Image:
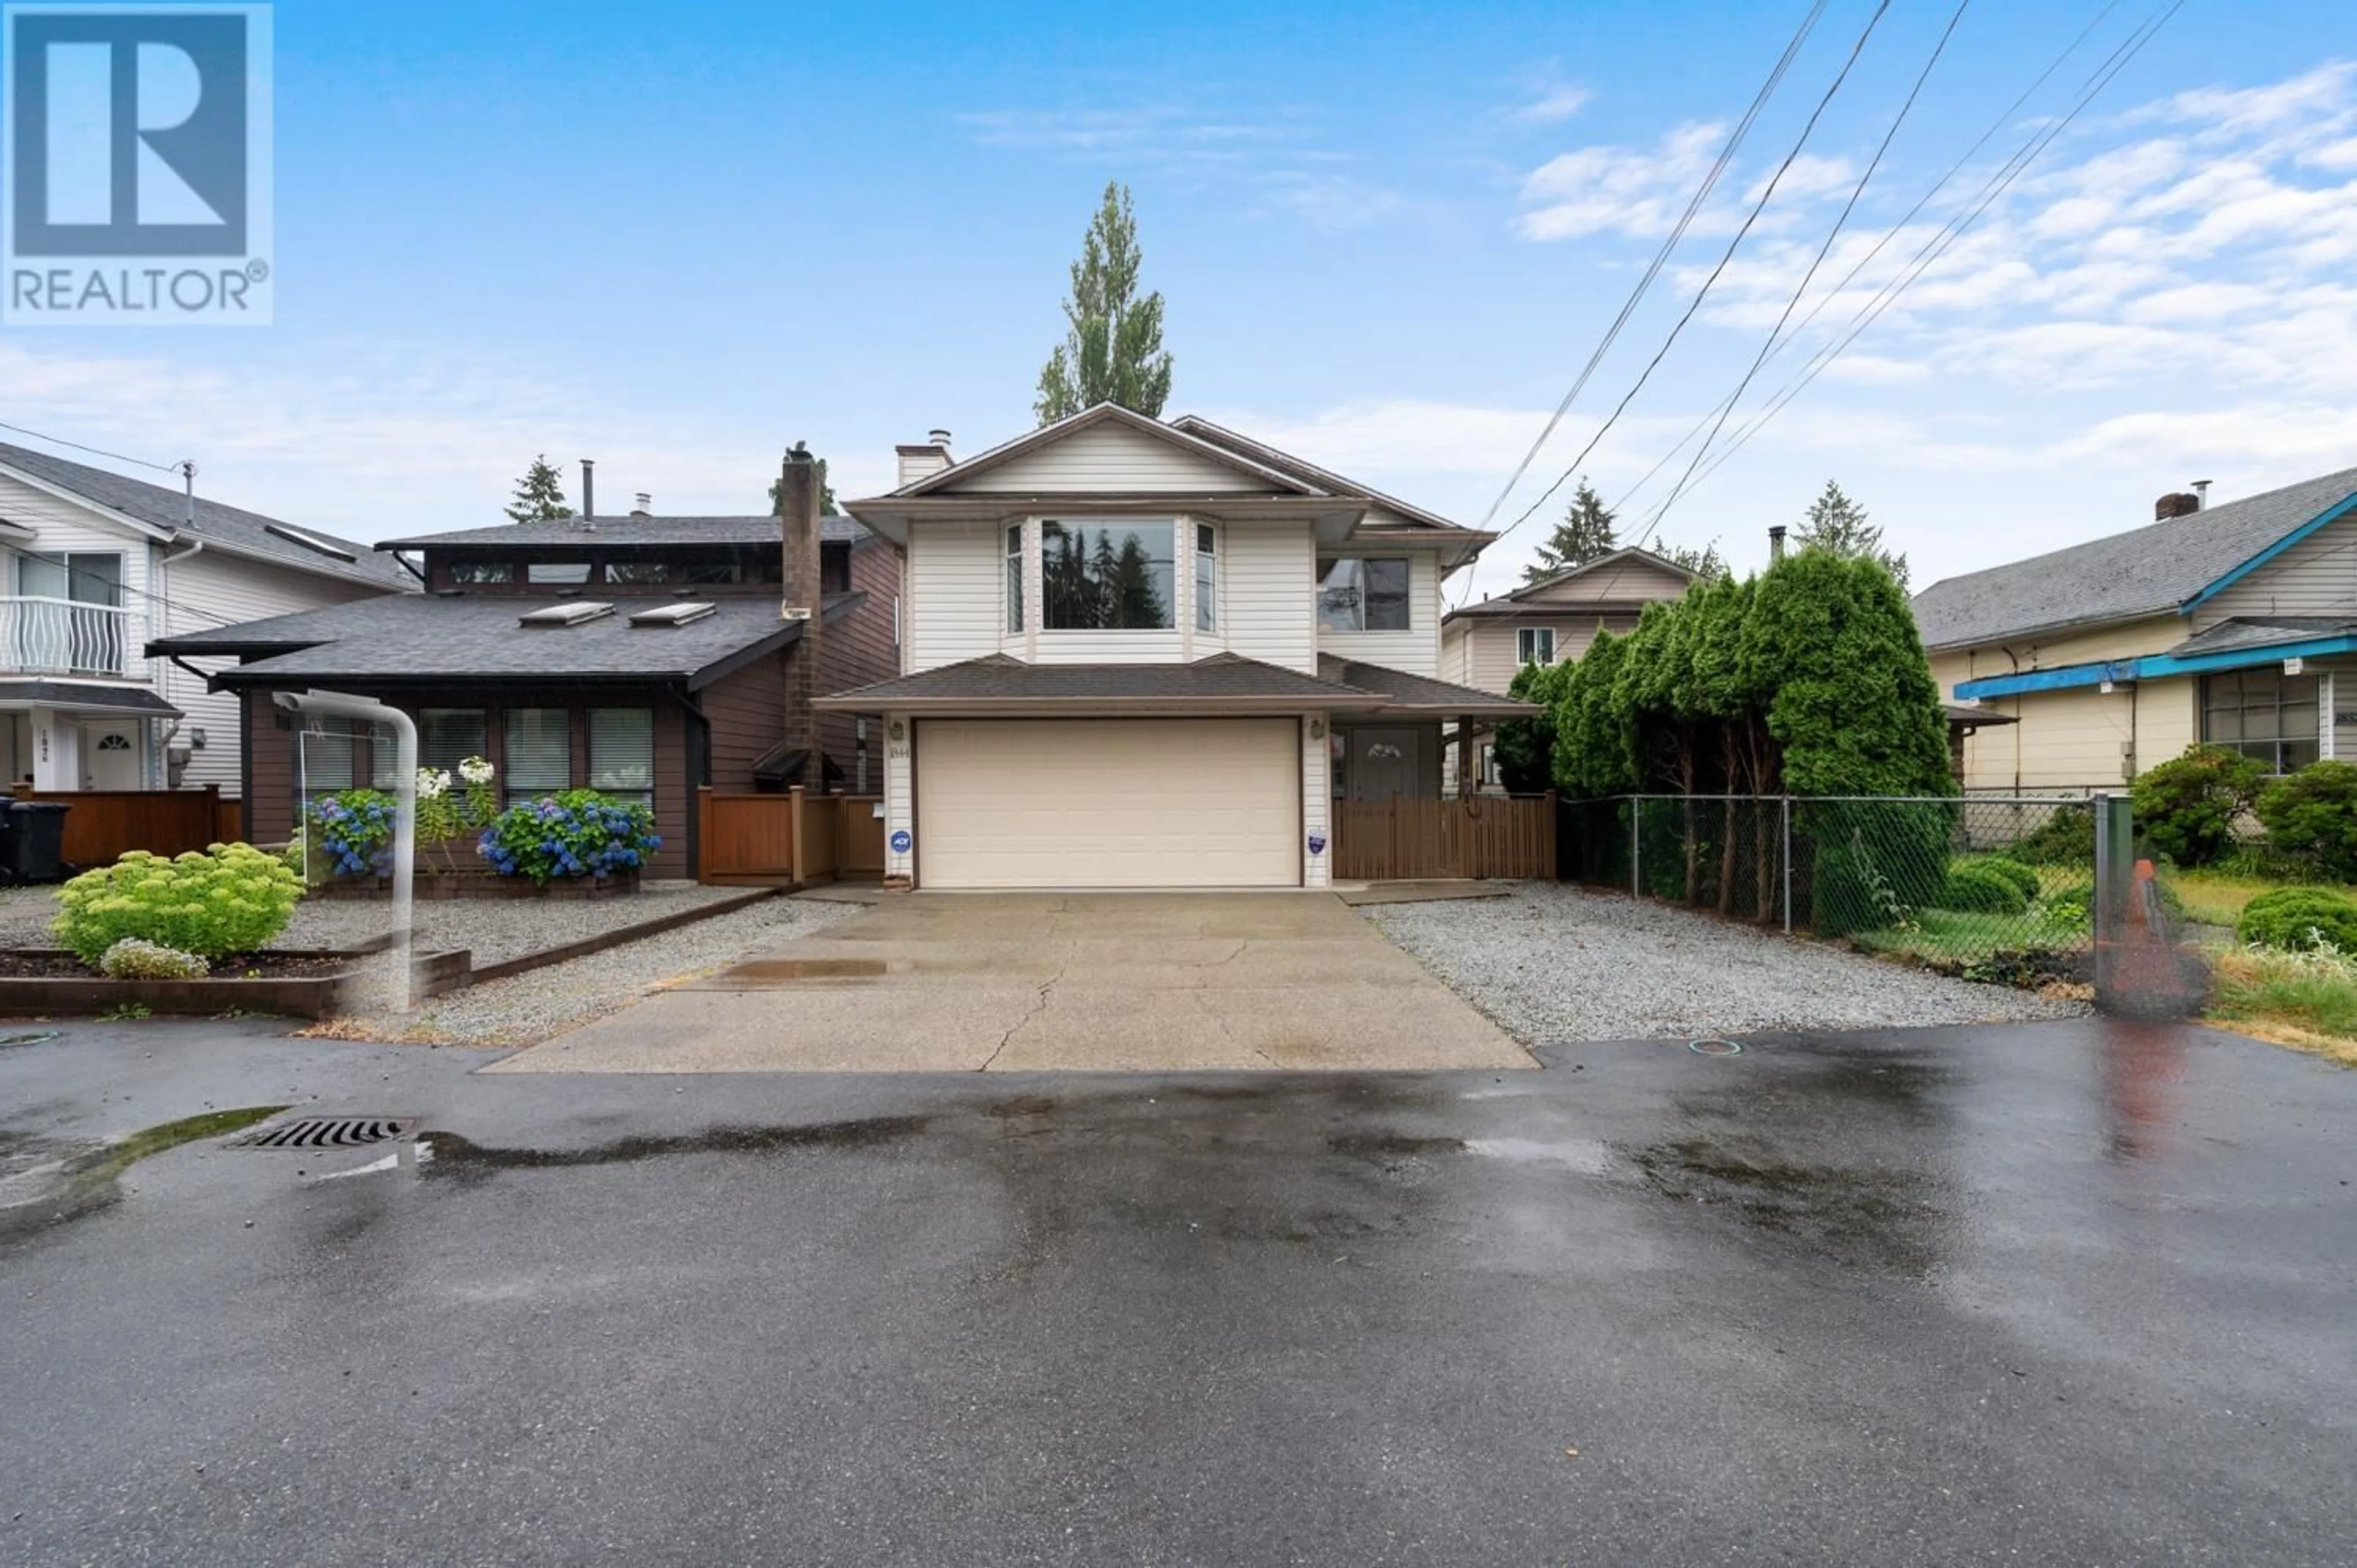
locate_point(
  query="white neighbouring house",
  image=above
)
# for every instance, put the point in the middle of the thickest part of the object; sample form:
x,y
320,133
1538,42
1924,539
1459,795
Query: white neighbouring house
x,y
99,565
1148,654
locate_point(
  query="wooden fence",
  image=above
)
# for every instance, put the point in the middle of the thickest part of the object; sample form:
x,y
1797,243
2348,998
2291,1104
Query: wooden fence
x,y
103,824
1405,841
786,840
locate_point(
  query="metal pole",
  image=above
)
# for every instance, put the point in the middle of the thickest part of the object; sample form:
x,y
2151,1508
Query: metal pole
x,y
1788,866
1636,821
404,814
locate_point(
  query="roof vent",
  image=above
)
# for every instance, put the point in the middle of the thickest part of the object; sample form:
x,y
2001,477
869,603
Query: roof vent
x,y
640,505
673,614
567,615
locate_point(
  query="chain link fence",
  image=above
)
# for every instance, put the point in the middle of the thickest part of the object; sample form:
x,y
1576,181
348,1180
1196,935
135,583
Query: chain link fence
x,y
1999,888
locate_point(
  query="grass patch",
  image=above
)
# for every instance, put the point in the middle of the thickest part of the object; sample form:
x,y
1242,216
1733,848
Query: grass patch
x,y
2216,898
1948,937
124,1152
2308,1000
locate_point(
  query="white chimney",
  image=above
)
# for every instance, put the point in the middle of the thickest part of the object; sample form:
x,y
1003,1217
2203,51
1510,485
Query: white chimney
x,y
930,456
641,505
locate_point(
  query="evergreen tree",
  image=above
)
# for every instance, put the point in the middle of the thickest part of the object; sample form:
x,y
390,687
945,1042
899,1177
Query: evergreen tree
x,y
1839,524
1585,535
1137,600
1524,750
826,506
539,495
1594,746
1111,350
1704,562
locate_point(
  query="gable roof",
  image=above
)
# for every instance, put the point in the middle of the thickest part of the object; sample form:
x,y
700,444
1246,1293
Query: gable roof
x,y
636,531
163,510
1285,462
1526,600
2160,569
960,474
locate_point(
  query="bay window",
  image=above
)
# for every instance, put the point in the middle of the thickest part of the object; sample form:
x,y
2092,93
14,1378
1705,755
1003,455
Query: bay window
x,y
1206,578
1015,576
1107,576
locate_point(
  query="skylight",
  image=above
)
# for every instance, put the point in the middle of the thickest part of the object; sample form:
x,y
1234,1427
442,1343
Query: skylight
x,y
309,541
673,614
565,614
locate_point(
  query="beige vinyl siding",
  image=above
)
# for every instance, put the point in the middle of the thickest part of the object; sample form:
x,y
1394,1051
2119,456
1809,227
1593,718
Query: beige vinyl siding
x,y
212,589
2317,576
2125,640
1457,653
1620,581
1495,646
1268,579
64,528
900,793
957,593
1415,650
1108,803
1111,458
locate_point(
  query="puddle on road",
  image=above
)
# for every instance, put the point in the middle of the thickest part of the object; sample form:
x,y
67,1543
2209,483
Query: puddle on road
x,y
458,1156
1877,1217
1588,1156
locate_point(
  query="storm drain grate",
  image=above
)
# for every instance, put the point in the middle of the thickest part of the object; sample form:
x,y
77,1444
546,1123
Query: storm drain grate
x,y
330,1133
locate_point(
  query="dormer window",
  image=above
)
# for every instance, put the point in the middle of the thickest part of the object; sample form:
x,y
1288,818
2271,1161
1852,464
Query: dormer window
x,y
1108,577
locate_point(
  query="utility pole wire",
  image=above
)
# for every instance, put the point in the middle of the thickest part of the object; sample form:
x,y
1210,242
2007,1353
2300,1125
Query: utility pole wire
x,y
1941,243
1888,234
94,451
1702,294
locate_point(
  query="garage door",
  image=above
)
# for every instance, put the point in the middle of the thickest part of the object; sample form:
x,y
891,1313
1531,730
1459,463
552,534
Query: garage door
x,y
1108,803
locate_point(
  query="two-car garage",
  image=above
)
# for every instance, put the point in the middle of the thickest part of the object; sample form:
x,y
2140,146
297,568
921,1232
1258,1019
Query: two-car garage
x,y
1177,803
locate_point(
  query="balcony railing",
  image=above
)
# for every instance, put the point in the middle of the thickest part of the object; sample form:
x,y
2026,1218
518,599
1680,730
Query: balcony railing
x,y
64,636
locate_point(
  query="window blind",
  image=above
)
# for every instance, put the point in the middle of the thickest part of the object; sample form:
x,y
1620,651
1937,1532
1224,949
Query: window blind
x,y
447,737
539,752
623,752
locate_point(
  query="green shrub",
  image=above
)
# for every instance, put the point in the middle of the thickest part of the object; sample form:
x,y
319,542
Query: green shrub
x,y
2012,871
2300,919
135,957
2312,815
573,833
2066,838
229,898
2186,806
1976,889
1871,863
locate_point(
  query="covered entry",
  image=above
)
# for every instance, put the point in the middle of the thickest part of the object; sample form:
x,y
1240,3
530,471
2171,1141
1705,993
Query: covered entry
x,y
1177,802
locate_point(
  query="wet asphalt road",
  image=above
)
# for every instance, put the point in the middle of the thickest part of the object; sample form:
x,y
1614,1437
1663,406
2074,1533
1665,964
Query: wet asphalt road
x,y
2069,1293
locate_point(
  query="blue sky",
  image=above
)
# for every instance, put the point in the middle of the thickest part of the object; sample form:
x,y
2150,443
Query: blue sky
x,y
678,239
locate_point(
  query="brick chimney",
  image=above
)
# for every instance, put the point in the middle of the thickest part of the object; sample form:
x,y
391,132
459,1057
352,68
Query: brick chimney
x,y
930,456
798,499
2177,503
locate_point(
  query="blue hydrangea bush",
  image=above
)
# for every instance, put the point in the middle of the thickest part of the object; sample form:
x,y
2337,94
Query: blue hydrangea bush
x,y
573,833
352,831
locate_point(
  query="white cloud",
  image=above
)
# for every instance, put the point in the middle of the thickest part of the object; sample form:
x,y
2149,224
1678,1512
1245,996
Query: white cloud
x,y
1623,189
1554,105
1810,175
1872,370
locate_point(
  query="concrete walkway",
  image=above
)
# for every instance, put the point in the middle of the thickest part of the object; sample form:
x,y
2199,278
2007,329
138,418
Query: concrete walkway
x,y
1023,982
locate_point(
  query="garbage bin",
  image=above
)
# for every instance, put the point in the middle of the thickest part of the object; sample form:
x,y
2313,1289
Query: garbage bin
x,y
7,842
38,839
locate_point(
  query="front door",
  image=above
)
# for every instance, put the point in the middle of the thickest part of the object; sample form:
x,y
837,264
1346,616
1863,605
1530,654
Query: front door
x,y
1383,764
109,756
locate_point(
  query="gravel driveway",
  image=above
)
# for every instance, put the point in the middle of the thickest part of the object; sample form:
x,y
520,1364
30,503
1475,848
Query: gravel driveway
x,y
1554,964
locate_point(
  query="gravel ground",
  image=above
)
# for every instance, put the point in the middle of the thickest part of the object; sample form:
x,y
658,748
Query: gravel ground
x,y
495,929
1552,964
532,1007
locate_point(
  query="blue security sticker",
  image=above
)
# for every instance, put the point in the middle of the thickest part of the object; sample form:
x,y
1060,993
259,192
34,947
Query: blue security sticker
x,y
901,840
1317,844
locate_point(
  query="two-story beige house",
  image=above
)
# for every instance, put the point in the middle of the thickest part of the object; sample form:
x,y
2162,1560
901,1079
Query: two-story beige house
x,y
1149,654
1485,645
2234,623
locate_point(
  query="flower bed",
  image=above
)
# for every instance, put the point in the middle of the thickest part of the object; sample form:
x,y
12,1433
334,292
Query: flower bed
x,y
575,843
47,982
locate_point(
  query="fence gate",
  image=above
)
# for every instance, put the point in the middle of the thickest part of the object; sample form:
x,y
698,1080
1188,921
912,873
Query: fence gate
x,y
1480,836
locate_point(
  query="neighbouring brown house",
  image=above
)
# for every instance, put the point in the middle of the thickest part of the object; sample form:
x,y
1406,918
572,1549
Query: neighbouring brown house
x,y
641,656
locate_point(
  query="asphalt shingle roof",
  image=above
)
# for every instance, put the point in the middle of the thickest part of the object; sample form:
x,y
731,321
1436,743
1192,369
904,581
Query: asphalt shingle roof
x,y
1402,689
2146,571
477,636
2268,631
996,678
628,530
159,506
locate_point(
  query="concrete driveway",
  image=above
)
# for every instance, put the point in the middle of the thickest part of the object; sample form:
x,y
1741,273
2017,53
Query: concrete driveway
x,y
1022,983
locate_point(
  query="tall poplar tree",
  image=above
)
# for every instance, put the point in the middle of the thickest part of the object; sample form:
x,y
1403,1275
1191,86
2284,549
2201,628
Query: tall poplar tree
x,y
1111,350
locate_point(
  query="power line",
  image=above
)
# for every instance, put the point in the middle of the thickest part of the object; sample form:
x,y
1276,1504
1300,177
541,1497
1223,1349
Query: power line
x,y
1766,194
1942,242
1832,234
2004,118
1660,256
97,451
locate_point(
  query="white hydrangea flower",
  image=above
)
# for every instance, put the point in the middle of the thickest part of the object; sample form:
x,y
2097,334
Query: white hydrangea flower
x,y
475,770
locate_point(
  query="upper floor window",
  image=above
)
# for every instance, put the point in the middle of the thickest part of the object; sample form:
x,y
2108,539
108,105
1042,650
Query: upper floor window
x,y
1015,576
1357,594
621,572
2264,713
481,571
1534,645
1107,576
89,579
835,569
557,572
1207,578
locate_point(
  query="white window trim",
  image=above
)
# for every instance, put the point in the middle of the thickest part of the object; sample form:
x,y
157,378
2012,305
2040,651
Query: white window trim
x,y
1035,546
1317,584
1526,644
